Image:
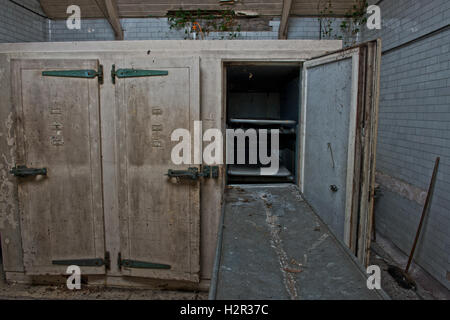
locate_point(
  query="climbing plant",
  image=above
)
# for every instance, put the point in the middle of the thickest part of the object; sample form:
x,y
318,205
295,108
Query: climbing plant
x,y
350,25
205,21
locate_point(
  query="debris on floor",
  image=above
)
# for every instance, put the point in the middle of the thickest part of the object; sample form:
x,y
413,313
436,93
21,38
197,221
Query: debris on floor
x,y
46,292
277,248
16,291
380,257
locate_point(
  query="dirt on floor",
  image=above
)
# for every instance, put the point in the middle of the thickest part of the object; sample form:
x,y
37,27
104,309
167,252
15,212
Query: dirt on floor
x,y
60,292
49,292
380,257
46,292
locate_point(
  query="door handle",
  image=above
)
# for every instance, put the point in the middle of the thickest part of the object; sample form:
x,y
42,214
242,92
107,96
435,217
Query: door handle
x,y
194,174
23,171
191,173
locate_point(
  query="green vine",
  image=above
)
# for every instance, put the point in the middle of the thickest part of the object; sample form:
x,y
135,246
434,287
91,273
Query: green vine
x,y
205,21
350,25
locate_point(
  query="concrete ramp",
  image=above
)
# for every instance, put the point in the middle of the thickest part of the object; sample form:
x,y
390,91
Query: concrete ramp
x,y
273,246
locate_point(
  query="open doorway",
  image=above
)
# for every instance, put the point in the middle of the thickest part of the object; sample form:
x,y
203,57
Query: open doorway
x,y
264,96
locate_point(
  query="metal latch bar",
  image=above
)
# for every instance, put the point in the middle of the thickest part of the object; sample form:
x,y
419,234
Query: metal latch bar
x,y
23,171
191,173
85,73
194,174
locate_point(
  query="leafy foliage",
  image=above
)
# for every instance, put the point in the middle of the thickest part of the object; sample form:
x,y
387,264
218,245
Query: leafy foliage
x,y
350,25
205,21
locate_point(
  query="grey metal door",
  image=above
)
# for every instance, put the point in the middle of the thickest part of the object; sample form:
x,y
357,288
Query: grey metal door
x,y
338,138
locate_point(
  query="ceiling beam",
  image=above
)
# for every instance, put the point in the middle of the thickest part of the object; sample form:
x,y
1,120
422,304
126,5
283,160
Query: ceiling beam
x,y
113,17
282,32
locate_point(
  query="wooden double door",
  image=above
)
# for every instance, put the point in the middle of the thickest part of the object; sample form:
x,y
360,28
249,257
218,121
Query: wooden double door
x,y
59,167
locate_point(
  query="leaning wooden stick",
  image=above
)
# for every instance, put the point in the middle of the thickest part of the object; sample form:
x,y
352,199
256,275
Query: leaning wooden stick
x,y
424,211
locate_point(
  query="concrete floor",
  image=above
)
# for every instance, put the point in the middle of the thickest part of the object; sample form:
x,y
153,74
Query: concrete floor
x,y
275,247
279,267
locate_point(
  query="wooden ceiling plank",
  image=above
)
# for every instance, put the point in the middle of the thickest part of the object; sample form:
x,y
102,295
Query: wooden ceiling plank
x,y
113,18
58,9
282,32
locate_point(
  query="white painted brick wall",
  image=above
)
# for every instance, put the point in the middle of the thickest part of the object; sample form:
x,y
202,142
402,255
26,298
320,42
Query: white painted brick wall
x,y
91,30
158,29
414,125
309,28
141,29
20,25
405,20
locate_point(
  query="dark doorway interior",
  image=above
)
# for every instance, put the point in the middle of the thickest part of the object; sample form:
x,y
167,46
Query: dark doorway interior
x,y
264,96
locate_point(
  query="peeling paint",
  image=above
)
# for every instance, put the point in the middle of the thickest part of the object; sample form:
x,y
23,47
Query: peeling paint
x,y
7,200
402,188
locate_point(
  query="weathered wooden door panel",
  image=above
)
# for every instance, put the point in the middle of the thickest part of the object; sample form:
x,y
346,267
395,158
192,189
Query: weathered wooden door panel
x,y
159,217
58,129
338,119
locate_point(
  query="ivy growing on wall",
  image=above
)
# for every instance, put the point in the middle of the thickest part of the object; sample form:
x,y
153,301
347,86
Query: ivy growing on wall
x,y
203,22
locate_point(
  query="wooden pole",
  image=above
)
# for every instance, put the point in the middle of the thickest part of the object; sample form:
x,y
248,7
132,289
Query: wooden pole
x,y
424,211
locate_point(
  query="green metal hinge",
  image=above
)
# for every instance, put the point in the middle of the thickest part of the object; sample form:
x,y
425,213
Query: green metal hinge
x,y
88,73
133,73
140,264
96,262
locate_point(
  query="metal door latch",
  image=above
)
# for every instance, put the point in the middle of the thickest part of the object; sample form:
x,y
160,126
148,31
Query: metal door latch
x,y
194,174
23,171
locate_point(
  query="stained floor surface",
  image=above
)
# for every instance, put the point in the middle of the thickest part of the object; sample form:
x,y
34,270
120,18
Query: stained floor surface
x,y
275,247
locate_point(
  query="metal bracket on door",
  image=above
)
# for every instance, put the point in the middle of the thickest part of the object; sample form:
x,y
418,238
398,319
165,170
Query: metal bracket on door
x,y
23,171
194,174
95,262
87,73
133,73
127,263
